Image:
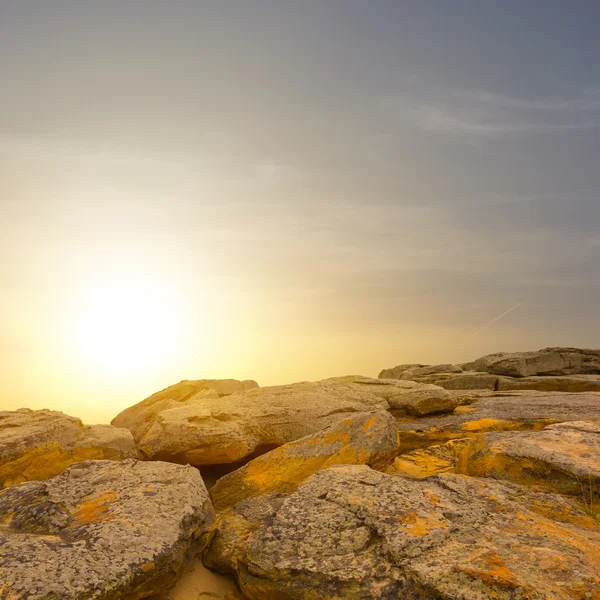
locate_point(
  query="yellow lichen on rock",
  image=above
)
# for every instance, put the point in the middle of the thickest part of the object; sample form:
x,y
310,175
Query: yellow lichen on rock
x,y
364,439
564,458
43,462
37,445
419,464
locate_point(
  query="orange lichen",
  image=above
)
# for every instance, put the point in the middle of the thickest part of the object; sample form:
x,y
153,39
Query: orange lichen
x,y
417,525
96,509
43,462
492,570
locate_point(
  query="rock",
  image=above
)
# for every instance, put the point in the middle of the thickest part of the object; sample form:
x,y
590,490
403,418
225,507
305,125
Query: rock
x,y
102,529
470,381
549,383
350,532
202,429
423,373
140,417
549,361
367,438
507,411
410,397
433,460
38,444
564,458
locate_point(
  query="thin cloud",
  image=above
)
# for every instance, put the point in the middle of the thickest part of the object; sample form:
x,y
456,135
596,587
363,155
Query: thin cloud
x,y
506,312
588,101
480,113
436,120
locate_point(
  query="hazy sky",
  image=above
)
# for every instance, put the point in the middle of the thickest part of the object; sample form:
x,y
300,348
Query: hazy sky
x,y
288,190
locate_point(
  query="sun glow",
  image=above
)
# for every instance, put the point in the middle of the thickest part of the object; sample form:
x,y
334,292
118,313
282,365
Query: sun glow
x,y
127,326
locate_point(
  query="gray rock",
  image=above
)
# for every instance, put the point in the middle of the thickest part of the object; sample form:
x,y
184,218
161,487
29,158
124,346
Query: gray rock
x,y
38,444
353,533
549,361
423,373
564,458
102,530
202,429
499,411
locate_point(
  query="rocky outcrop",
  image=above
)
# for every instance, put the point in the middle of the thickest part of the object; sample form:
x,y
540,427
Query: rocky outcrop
x,y
38,444
549,361
429,461
350,532
507,411
423,373
203,429
470,380
369,438
140,417
564,458
102,530
549,370
549,383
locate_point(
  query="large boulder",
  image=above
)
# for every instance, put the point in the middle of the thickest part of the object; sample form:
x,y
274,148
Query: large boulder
x,y
506,411
480,380
203,429
367,438
102,530
564,458
422,373
550,383
38,444
350,532
140,417
470,380
549,361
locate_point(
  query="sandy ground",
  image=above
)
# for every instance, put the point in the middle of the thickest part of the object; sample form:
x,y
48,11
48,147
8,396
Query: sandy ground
x,y
201,584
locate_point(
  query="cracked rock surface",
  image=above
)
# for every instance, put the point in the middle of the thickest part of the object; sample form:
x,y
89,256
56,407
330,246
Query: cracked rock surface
x,y
102,530
38,444
203,429
350,532
367,438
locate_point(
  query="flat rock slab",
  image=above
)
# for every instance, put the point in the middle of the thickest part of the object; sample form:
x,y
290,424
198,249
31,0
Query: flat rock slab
x,y
368,439
38,444
350,532
564,458
549,361
204,430
140,417
102,530
508,411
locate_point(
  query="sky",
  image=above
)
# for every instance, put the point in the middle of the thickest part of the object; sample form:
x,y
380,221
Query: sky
x,y
287,191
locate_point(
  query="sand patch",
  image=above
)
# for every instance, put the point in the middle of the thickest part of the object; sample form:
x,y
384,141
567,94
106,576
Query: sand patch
x,y
198,583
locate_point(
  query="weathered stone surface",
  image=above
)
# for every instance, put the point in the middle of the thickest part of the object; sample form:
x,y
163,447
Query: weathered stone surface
x,y
423,373
102,530
203,429
140,417
367,438
508,411
351,533
477,380
549,361
470,381
564,458
549,383
38,444
410,397
433,460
